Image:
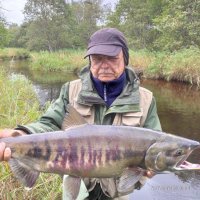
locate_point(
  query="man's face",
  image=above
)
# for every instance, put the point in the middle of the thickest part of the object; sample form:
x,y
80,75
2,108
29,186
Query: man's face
x,y
107,68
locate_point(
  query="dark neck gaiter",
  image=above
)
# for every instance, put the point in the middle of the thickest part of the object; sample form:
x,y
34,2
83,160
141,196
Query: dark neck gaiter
x,y
109,91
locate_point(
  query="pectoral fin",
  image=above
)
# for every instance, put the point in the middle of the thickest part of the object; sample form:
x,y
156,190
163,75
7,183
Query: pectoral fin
x,y
128,179
24,173
74,188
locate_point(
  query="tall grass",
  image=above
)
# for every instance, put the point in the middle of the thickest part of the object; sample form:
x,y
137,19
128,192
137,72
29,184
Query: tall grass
x,y
68,60
183,66
18,102
141,59
14,53
19,105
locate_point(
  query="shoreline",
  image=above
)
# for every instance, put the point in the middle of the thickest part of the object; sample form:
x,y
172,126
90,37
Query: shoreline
x,y
181,66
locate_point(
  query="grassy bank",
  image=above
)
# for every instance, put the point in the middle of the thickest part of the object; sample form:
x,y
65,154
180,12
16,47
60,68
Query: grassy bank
x,y
14,53
68,60
19,105
181,66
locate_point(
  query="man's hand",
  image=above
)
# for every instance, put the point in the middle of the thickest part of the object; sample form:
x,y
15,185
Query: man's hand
x,y
5,152
149,174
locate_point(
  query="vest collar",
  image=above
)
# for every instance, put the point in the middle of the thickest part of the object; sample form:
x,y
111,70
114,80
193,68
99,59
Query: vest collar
x,y
128,96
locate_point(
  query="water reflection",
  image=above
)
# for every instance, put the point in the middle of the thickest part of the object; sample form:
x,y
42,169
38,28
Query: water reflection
x,y
178,107
167,187
46,93
46,84
179,112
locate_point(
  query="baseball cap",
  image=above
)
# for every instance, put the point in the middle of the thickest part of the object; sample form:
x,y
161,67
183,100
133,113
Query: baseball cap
x,y
109,42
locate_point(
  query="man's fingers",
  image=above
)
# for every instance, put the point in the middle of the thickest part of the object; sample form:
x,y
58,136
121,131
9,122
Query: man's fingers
x,y
150,174
2,148
7,154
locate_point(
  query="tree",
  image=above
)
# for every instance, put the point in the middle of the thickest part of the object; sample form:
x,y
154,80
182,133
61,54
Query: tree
x,y
87,15
179,25
17,35
134,18
158,24
47,19
4,39
53,24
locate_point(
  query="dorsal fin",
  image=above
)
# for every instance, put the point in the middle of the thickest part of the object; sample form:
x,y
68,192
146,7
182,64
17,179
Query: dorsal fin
x,y
72,118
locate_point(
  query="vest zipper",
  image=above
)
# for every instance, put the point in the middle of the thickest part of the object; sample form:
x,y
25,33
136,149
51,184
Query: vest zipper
x,y
105,93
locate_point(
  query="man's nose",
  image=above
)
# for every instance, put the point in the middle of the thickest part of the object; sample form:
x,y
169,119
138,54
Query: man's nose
x,y
104,63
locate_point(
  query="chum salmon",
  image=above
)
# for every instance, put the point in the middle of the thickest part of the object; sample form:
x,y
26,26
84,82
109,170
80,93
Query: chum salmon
x,y
97,151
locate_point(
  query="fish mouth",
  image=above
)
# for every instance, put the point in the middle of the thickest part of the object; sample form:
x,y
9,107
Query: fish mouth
x,y
183,164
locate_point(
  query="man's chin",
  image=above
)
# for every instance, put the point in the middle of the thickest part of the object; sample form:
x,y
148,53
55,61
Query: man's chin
x,y
106,79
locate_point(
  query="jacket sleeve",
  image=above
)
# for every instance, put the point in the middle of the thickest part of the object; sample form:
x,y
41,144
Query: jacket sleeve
x,y
152,121
53,118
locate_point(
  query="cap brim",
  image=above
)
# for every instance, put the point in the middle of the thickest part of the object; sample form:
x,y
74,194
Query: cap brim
x,y
107,50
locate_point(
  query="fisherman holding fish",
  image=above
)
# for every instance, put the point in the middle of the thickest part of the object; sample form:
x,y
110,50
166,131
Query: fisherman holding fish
x,y
107,93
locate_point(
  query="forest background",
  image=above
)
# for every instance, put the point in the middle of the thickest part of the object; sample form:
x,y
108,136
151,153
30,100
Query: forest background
x,y
155,25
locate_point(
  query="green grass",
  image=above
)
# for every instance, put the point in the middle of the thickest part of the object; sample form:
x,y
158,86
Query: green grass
x,y
141,59
14,53
18,102
182,66
19,105
68,60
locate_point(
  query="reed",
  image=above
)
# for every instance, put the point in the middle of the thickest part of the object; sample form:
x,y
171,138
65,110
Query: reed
x,y
141,59
19,105
68,60
14,54
182,66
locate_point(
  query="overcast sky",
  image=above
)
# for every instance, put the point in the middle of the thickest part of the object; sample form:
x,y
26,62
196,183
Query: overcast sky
x,y
14,8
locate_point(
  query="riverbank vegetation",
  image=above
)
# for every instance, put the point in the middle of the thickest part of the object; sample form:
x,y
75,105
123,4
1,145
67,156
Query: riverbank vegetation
x,y
182,65
18,102
66,60
153,25
19,105
164,35
14,54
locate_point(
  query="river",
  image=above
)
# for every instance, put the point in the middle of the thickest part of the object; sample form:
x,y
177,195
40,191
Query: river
x,y
179,111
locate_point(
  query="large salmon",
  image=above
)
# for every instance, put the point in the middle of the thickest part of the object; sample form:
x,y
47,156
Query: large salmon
x,y
100,151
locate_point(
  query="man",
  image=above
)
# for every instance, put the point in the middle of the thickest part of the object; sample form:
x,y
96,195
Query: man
x,y
107,93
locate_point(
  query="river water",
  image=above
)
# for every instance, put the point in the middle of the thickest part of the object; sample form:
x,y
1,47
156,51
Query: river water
x,y
179,111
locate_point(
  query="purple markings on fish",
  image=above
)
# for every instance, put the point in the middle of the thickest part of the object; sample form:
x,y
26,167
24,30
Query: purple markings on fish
x,y
96,151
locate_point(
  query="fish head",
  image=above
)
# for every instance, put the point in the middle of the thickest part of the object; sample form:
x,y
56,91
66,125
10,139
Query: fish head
x,y
170,153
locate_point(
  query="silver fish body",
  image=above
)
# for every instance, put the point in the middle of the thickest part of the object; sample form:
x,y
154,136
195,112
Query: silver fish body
x,y
95,151
86,151
98,151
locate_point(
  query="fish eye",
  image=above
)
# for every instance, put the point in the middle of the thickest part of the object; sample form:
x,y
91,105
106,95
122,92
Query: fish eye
x,y
179,152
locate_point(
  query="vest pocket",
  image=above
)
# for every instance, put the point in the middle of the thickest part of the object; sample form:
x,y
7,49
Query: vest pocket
x,y
132,119
86,111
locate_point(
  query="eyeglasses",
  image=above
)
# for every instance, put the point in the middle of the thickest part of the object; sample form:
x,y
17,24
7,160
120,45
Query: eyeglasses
x,y
98,60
